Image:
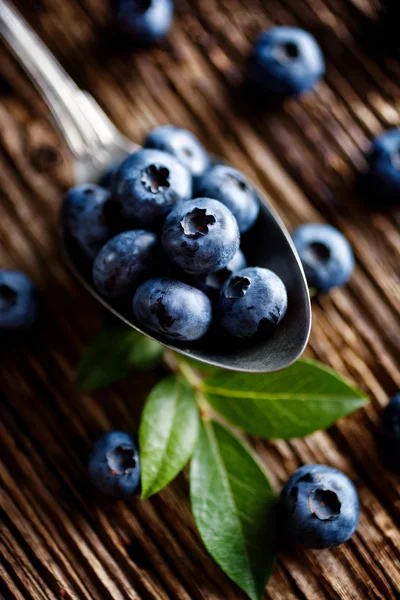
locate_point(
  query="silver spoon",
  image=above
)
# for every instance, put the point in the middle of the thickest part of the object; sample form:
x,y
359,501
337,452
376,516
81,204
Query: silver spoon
x,y
95,144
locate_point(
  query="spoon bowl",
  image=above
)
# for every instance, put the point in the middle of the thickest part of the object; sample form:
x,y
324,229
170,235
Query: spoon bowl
x,y
267,245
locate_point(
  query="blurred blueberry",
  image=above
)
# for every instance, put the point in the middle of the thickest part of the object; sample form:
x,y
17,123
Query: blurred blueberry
x,y
319,507
18,303
108,174
147,185
390,432
252,302
383,175
114,465
200,236
172,309
124,262
326,255
146,21
211,284
83,219
231,187
286,61
182,144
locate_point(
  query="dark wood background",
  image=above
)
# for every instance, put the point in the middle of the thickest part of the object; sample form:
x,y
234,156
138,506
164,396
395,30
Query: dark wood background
x,y
57,537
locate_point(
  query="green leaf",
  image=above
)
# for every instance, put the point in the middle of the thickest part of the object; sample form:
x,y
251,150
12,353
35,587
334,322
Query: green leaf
x,y
144,353
291,403
168,433
112,354
234,508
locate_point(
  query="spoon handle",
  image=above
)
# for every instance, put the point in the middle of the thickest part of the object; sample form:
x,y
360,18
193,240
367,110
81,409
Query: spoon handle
x,y
93,139
60,92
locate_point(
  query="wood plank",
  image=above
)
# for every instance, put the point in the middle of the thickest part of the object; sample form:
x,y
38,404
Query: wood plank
x,y
57,538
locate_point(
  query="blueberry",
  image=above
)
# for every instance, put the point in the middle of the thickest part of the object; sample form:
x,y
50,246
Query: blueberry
x,y
124,262
147,185
83,220
18,303
114,466
146,21
211,284
327,257
383,175
231,187
319,507
252,301
286,61
106,178
390,432
200,236
172,309
182,144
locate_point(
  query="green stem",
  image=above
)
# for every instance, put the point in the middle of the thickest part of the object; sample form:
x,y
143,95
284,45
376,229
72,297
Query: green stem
x,y
179,365
189,373
176,364
206,411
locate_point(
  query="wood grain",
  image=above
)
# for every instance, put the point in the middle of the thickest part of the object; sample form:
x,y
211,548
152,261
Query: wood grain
x,y
58,539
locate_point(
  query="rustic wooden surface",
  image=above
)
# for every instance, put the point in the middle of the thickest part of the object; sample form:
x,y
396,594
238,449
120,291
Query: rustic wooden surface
x,y
57,538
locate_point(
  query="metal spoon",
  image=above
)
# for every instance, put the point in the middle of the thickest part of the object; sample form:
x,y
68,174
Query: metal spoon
x,y
95,144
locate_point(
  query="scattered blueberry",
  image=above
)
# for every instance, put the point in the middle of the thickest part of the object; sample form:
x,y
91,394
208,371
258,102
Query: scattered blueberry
x,y
383,176
146,21
231,187
147,185
200,236
18,303
319,507
172,309
326,255
390,432
114,465
83,219
124,262
286,61
211,283
252,301
182,144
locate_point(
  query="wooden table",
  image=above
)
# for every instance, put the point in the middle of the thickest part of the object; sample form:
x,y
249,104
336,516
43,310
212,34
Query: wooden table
x,y
57,538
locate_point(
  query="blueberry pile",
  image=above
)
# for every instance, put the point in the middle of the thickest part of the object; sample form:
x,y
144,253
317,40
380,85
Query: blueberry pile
x,y
162,236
